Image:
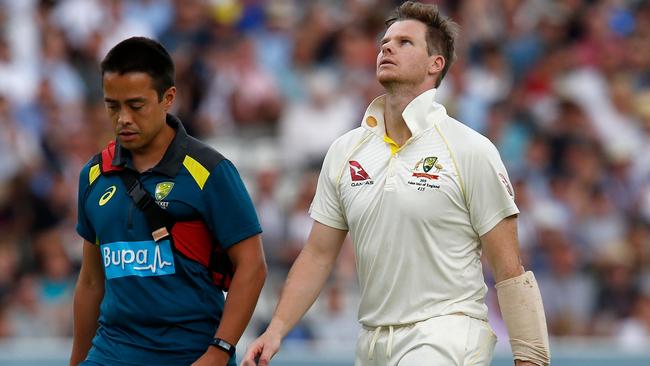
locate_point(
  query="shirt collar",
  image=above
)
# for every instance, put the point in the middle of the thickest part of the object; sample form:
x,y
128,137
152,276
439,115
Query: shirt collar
x,y
174,155
420,114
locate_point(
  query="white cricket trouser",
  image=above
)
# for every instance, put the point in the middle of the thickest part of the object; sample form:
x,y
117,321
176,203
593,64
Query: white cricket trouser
x,y
449,340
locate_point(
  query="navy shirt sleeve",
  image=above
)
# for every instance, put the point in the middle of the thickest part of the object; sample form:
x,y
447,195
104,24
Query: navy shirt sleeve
x,y
84,228
230,211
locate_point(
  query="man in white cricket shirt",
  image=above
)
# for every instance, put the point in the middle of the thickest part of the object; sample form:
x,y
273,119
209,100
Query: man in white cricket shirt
x,y
422,196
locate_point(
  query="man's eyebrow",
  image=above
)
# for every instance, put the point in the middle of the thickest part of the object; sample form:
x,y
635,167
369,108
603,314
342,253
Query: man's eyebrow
x,y
131,100
398,37
136,100
404,36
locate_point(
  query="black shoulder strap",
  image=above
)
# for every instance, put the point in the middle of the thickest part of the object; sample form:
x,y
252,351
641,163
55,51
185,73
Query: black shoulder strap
x,y
160,222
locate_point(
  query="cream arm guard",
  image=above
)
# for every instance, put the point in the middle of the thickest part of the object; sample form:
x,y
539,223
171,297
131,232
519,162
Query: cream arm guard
x,y
523,312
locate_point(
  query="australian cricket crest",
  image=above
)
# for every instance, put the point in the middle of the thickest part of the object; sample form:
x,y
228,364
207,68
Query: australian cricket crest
x,y
162,191
429,163
425,173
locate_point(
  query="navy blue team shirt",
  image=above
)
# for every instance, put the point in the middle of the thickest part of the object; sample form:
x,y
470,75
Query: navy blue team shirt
x,y
160,307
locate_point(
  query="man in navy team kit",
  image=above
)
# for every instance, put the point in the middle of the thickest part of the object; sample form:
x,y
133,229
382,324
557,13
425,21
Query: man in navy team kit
x,y
145,302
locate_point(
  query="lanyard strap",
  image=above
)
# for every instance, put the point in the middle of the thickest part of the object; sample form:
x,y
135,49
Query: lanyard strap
x,y
160,222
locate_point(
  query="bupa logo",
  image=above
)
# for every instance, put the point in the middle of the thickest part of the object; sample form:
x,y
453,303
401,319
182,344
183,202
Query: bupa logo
x,y
140,258
358,174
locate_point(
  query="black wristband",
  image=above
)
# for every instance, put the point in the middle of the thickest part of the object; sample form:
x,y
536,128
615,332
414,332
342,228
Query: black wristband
x,y
223,345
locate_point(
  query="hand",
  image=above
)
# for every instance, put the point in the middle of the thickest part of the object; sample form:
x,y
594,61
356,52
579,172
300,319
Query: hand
x,y
264,347
524,363
212,357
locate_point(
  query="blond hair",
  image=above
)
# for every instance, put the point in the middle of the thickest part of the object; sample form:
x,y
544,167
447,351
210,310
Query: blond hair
x,y
441,31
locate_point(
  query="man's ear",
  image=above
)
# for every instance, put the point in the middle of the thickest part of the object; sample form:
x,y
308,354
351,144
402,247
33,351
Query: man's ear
x,y
436,65
169,97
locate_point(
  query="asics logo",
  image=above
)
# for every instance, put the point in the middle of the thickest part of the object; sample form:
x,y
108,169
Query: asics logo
x,y
108,194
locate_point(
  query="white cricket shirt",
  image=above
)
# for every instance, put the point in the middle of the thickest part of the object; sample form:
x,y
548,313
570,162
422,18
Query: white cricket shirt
x,y
415,213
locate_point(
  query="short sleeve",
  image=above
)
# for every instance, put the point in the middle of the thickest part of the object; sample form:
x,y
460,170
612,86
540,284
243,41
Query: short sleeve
x,y
230,211
326,207
84,227
490,197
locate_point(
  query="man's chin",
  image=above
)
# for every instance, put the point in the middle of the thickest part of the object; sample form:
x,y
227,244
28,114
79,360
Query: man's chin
x,y
129,145
387,80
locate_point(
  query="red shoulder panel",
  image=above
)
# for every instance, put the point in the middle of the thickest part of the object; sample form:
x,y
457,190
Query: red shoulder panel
x,y
107,158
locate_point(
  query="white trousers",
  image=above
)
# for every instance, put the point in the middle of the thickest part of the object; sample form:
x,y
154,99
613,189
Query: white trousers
x,y
449,340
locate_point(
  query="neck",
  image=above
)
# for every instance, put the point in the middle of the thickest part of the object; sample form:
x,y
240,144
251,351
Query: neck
x,y
398,96
149,156
396,102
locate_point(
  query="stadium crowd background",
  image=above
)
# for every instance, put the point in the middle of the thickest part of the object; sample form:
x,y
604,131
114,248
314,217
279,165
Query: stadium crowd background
x,y
562,88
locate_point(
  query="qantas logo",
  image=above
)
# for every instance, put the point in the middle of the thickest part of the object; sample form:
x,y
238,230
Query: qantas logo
x,y
358,174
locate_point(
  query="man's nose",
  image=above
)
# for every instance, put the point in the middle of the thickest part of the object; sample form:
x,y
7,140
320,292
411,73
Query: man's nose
x,y
387,48
124,117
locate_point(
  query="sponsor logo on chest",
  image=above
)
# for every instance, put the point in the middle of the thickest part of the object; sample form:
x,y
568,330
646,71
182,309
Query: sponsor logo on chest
x,y
359,175
141,258
107,195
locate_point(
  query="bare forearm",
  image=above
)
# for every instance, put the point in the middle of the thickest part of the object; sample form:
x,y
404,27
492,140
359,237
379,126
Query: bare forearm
x,y
304,283
86,313
240,302
518,294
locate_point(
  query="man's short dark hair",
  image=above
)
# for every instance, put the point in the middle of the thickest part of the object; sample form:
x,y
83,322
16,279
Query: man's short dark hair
x,y
441,31
140,54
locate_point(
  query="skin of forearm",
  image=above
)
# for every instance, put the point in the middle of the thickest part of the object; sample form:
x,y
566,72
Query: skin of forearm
x,y
86,313
240,303
304,283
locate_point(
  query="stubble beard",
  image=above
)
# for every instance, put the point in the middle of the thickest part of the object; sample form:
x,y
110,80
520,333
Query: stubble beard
x,y
389,82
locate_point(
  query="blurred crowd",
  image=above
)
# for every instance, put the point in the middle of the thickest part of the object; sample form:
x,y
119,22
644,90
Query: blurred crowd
x,y
561,87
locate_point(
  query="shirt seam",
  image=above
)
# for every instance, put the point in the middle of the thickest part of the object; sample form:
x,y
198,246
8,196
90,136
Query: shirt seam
x,y
342,170
454,161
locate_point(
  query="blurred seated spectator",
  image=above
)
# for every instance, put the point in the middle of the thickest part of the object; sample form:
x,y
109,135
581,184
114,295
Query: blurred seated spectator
x,y
9,266
634,331
617,289
298,220
242,96
566,315
55,281
308,127
335,321
272,216
26,313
